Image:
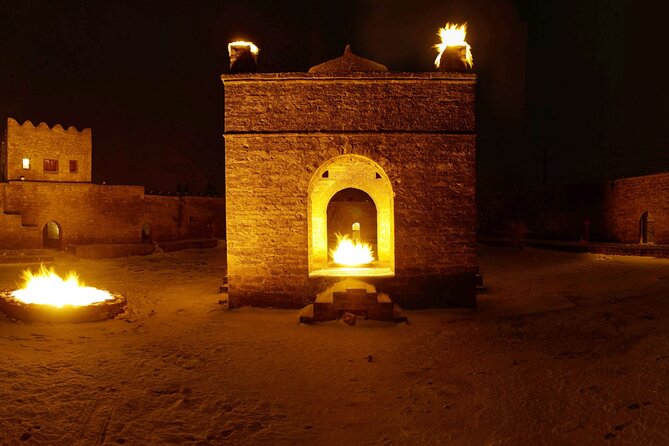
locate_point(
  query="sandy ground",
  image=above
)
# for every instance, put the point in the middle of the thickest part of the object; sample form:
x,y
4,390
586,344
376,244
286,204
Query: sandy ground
x,y
566,349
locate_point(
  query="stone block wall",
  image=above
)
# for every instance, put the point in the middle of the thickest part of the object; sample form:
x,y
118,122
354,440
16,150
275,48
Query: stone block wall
x,y
177,218
101,214
419,128
86,213
37,143
102,251
301,102
13,233
629,198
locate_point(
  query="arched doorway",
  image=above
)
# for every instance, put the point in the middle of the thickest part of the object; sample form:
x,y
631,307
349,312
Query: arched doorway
x,y
367,186
646,228
52,236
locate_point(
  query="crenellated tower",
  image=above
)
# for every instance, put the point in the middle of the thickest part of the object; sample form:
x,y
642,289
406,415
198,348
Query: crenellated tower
x,y
40,153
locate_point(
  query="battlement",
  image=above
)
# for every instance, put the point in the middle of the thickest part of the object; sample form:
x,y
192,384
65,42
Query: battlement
x,y
42,126
43,153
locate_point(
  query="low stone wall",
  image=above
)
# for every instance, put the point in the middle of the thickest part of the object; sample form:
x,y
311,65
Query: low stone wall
x,y
188,244
110,250
136,249
102,214
629,198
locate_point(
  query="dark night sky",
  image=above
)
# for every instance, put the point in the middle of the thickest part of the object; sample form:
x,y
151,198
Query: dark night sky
x,y
579,84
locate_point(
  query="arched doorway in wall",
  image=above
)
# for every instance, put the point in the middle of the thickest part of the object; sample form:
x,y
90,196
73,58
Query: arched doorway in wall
x,y
646,228
52,235
367,188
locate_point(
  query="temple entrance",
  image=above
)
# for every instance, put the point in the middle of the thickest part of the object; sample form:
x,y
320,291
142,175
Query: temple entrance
x,y
52,236
351,195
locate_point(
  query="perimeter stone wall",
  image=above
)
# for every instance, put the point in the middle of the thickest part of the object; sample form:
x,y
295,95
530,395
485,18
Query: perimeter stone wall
x,y
629,198
92,214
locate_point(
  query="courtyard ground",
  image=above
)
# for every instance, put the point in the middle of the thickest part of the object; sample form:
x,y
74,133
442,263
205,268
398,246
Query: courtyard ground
x,y
565,349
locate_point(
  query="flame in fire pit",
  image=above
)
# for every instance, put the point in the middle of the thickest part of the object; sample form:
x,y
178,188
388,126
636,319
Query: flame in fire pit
x,y
351,253
453,34
47,287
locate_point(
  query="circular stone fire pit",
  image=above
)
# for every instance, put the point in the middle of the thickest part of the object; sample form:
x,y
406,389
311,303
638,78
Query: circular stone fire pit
x,y
99,311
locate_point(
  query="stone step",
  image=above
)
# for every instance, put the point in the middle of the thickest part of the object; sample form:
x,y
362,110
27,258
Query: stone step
x,y
345,300
307,315
224,285
352,296
398,314
350,284
24,252
383,298
188,244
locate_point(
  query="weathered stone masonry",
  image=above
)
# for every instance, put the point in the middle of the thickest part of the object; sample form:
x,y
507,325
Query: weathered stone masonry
x,y
418,128
629,198
86,213
37,143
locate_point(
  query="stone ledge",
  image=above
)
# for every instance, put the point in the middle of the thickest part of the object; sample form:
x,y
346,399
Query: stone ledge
x,y
110,250
384,76
178,245
27,256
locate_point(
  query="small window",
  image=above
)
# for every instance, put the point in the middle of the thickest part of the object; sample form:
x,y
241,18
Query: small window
x,y
26,163
74,166
51,166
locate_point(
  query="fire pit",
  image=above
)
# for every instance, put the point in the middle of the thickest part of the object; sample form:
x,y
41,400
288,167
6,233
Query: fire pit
x,y
46,297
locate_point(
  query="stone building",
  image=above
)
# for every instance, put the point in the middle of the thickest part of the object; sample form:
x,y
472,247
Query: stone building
x,y
47,198
637,209
394,152
44,154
